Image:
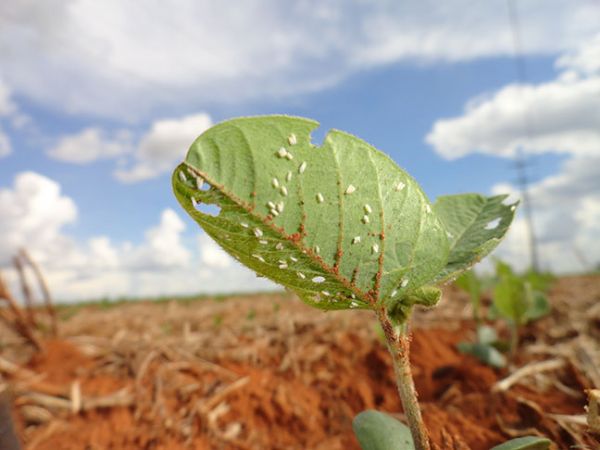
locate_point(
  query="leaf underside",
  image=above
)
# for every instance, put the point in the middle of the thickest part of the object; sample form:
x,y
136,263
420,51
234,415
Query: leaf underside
x,y
340,224
475,226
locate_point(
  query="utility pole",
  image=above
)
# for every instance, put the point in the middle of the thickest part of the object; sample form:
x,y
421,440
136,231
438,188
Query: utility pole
x,y
523,182
520,162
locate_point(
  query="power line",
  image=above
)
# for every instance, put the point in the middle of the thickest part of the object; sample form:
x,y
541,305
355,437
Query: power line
x,y
520,159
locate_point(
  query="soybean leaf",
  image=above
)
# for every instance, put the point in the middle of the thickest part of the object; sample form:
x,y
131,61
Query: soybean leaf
x,y
510,298
485,353
538,306
378,431
340,224
525,443
469,283
475,226
487,335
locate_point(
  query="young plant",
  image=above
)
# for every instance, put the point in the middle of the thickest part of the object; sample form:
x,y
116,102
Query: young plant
x,y
518,299
485,348
339,224
379,431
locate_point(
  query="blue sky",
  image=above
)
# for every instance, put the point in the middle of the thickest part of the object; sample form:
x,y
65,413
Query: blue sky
x,y
99,102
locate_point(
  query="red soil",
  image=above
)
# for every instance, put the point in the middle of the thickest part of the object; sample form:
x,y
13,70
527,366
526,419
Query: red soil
x,y
292,409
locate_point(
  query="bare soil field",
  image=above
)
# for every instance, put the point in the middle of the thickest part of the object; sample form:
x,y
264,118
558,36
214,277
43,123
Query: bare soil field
x,y
267,372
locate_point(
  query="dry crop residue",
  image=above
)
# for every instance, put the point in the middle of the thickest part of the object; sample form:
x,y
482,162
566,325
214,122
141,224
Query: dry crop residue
x,y
267,372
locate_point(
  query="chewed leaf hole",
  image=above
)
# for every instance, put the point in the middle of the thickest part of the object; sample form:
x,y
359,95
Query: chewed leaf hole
x,y
318,279
492,224
209,209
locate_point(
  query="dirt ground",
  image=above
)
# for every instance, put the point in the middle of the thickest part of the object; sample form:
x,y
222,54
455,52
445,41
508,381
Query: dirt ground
x,y
268,372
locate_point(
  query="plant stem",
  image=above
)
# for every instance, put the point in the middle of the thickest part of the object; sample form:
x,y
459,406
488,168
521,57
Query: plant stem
x,y
514,338
398,343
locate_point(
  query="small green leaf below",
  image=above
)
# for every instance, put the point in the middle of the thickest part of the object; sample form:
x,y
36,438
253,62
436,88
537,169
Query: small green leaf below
x,y
378,431
475,225
538,307
525,443
340,224
486,353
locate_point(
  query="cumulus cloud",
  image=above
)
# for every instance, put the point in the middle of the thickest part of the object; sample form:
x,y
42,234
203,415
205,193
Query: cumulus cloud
x,y
156,152
34,211
560,116
163,145
567,219
89,145
564,118
5,147
212,255
37,215
7,107
118,58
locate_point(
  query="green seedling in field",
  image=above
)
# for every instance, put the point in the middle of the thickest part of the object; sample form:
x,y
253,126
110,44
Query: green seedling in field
x,y
379,431
472,285
518,299
339,224
486,347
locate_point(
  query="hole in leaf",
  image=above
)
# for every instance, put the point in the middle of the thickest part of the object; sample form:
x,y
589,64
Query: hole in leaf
x,y
318,279
209,209
492,224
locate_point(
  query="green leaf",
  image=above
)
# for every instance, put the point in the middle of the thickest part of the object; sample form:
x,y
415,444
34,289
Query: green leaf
x,y
538,307
475,225
340,224
510,298
378,431
485,353
503,269
486,335
469,283
525,443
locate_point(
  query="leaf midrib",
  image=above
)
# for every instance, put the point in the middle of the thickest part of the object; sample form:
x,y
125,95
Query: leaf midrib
x,y
308,251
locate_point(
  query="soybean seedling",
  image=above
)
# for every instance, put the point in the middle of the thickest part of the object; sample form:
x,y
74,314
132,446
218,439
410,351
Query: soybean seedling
x,y
484,348
519,299
339,224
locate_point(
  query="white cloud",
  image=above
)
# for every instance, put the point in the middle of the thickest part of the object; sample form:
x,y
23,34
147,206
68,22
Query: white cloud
x,y
36,215
157,151
7,108
565,119
163,145
584,59
34,212
566,219
5,147
89,145
212,255
559,116
163,247
119,58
